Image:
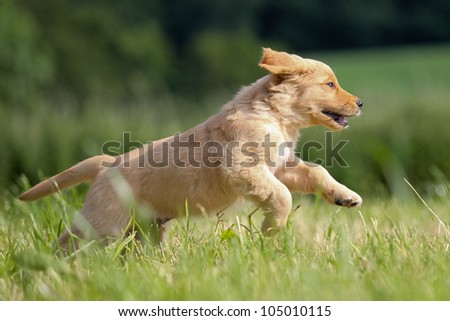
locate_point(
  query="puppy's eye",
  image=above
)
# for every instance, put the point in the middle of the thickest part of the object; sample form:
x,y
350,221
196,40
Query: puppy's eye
x,y
330,84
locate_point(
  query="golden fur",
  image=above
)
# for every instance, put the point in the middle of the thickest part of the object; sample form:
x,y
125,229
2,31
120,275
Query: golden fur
x,y
294,95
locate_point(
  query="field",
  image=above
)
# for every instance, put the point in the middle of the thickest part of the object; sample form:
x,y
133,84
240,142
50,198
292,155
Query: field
x,y
395,247
386,251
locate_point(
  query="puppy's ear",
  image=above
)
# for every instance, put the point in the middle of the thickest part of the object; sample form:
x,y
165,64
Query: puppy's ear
x,y
282,63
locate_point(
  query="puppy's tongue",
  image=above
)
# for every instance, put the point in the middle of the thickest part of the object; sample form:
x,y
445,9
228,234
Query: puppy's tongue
x,y
342,121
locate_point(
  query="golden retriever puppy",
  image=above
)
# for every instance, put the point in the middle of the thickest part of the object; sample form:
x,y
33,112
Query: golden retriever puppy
x,y
245,151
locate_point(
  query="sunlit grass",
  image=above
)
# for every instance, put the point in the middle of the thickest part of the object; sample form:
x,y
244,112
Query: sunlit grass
x,y
387,250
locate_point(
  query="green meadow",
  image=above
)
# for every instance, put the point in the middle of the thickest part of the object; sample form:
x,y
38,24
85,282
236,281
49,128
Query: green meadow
x,y
395,247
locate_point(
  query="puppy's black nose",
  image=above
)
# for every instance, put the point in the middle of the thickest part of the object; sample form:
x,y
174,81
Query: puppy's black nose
x,y
359,103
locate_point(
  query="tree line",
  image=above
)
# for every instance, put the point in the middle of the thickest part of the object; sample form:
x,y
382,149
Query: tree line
x,y
69,50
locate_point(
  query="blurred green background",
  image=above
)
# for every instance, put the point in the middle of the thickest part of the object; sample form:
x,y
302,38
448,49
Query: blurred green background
x,y
75,74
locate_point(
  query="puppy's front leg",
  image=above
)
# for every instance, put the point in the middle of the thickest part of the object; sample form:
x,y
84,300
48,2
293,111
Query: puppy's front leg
x,y
271,195
312,178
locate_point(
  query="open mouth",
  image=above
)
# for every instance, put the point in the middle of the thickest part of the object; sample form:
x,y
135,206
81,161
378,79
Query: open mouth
x,y
341,120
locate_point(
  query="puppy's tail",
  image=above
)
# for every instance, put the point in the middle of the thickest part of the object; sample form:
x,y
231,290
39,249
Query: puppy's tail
x,y
81,172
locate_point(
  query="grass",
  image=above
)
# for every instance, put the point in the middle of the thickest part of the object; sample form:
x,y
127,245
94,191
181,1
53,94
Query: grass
x,y
387,250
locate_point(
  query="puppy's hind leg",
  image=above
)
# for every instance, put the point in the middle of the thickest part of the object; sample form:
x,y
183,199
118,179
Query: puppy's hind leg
x,y
148,228
157,231
69,240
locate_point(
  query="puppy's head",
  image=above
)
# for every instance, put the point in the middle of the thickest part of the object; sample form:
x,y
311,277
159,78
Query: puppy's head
x,y
314,94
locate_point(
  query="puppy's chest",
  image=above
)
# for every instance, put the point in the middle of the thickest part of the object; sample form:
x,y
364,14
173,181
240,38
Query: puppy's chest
x,y
281,150
284,154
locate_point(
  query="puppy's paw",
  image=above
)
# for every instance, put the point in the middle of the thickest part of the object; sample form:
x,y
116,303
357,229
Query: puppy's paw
x,y
349,201
343,197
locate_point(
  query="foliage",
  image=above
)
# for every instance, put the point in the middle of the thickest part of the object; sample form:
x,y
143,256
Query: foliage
x,y
25,63
66,49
